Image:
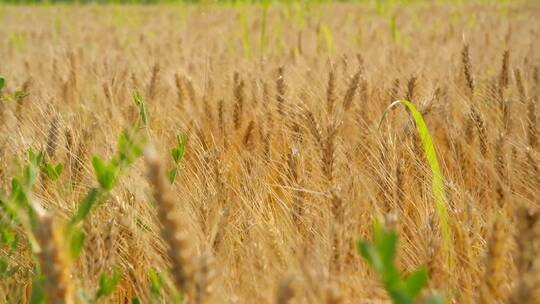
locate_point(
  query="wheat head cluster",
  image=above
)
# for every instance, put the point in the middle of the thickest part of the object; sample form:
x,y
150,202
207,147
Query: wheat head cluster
x,y
285,160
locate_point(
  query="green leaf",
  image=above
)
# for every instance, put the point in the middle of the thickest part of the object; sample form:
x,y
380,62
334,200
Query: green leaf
x,y
2,83
385,242
85,206
34,158
414,284
135,301
9,239
107,284
53,172
370,255
18,194
141,104
437,181
180,149
3,267
59,169
76,243
38,290
105,174
171,175
156,283
128,149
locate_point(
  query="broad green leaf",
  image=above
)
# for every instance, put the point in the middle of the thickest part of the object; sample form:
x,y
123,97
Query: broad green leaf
x,y
9,239
135,301
414,284
156,283
76,243
107,284
385,242
2,83
437,180
171,175
85,206
18,194
38,290
53,172
128,150
59,169
105,174
371,255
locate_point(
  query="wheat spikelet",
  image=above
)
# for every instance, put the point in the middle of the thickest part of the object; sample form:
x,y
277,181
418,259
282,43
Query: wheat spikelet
x,y
480,128
54,264
504,77
154,82
500,168
492,286
328,151
179,90
527,238
80,158
108,92
280,90
73,81
351,91
338,225
330,91
204,278
520,86
190,88
173,231
313,127
52,138
411,87
394,90
467,69
248,139
221,116
532,134
109,241
238,90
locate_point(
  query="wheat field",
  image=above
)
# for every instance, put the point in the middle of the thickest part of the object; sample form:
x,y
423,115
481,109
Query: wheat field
x,y
235,153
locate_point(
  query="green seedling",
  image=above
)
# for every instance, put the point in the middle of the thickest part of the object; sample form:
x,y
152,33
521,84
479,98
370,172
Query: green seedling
x,y
141,105
177,154
107,284
53,172
156,283
380,255
129,149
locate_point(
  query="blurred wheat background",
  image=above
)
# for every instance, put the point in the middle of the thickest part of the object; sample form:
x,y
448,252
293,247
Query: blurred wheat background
x,y
285,165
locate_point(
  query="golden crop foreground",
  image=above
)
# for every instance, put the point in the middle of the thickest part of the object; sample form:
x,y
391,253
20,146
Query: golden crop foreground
x,y
263,158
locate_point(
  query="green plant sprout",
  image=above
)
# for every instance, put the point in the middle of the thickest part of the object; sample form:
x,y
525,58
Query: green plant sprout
x,y
177,154
380,255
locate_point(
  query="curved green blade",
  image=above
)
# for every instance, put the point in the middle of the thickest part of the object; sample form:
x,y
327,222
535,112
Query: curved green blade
x,y
437,178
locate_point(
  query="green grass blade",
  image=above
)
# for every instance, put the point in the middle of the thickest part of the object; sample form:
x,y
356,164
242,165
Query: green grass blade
x,y
437,179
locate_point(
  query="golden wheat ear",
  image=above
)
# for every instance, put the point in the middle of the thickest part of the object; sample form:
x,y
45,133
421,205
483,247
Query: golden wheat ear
x,y
180,252
53,259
